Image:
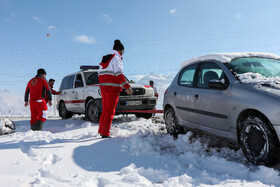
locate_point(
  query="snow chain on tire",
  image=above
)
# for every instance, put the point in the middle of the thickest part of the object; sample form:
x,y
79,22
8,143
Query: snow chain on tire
x,y
258,141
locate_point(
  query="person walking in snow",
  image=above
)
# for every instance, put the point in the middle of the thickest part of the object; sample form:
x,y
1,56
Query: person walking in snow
x,y
111,81
38,89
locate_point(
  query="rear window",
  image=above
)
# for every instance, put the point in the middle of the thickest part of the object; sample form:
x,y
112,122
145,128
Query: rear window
x,y
186,77
67,82
71,81
64,83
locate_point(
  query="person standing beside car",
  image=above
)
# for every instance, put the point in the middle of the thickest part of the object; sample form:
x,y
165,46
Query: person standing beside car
x,y
154,88
51,83
38,89
111,81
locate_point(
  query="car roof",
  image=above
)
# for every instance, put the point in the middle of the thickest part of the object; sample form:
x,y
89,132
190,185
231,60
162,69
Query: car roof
x,y
85,71
227,57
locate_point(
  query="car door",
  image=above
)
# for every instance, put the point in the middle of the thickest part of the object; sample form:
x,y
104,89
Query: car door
x,y
68,93
211,106
184,94
78,96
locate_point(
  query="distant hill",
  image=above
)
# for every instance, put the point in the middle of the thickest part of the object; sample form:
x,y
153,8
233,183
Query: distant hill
x,y
161,82
13,105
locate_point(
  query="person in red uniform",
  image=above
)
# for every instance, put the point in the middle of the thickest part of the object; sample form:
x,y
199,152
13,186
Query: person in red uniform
x,y
51,83
111,81
38,89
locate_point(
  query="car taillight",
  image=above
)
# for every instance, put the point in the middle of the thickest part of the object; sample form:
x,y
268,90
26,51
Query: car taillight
x,y
147,86
165,91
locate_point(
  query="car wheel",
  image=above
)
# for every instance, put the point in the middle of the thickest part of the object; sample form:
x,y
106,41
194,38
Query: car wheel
x,y
259,141
92,112
171,122
63,112
147,115
138,115
144,115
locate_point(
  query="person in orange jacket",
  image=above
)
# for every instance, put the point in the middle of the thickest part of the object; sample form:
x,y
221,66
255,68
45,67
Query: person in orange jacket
x,y
111,82
38,89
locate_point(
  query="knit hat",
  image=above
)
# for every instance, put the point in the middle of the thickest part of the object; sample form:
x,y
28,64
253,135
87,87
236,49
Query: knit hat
x,y
41,71
118,45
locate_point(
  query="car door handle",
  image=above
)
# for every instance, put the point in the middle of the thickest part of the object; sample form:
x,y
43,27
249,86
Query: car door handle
x,y
64,92
175,93
196,96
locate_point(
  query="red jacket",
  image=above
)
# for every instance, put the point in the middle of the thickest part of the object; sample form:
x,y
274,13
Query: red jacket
x,y
111,76
53,91
38,88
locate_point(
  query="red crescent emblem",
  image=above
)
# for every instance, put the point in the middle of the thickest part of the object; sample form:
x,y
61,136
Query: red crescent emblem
x,y
34,81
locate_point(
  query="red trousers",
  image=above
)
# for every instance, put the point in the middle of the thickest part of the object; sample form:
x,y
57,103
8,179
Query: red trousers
x,y
109,103
39,111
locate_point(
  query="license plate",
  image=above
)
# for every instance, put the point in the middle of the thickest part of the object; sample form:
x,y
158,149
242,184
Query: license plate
x,y
133,103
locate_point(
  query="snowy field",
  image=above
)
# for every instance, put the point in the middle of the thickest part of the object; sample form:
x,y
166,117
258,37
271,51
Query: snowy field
x,y
141,153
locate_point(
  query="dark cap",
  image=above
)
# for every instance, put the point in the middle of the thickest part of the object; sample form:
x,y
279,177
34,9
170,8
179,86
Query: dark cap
x,y
118,45
51,80
41,71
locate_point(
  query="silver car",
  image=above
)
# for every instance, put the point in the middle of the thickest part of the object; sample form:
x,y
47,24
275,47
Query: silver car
x,y
235,96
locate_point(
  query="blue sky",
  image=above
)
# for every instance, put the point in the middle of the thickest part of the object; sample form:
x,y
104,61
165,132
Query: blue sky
x,y
157,34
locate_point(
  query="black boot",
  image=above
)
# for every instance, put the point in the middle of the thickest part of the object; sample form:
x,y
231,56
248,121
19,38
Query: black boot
x,y
39,125
103,136
33,127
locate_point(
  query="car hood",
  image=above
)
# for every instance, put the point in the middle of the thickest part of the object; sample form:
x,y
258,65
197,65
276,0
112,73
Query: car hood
x,y
267,87
137,86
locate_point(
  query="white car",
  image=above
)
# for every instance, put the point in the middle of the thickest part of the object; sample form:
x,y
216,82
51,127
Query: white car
x,y
80,94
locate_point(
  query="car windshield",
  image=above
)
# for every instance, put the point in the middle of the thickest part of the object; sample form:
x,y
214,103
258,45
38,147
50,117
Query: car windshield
x,y
266,67
92,78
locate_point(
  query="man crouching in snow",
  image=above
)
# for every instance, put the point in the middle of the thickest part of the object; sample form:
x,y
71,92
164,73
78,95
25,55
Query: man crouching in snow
x,y
38,89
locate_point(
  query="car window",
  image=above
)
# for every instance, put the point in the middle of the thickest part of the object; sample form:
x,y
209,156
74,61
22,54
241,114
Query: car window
x,y
186,77
79,81
64,83
71,81
265,66
91,78
209,71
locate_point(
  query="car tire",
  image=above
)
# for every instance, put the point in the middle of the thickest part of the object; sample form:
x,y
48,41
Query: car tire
x,y
259,141
63,112
144,115
92,112
171,123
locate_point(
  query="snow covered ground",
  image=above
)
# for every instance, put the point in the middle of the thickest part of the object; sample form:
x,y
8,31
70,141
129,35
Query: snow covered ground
x,y
141,153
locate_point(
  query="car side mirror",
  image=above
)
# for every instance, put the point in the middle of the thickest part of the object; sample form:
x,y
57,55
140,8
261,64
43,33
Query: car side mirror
x,y
132,81
217,84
